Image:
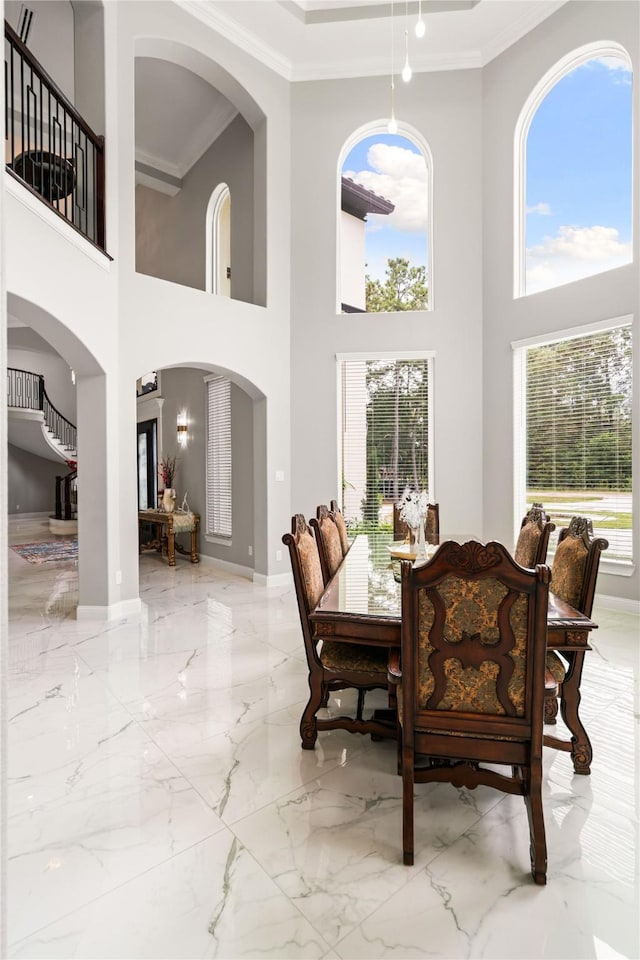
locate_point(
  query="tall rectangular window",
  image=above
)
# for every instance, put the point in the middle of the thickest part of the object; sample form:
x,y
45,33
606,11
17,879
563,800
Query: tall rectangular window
x,y
385,435
573,431
219,514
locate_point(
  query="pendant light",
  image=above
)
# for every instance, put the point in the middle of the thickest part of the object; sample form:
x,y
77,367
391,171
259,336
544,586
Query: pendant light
x,y
420,25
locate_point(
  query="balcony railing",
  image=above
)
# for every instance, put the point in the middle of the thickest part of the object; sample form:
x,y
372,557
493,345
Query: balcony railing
x,y
26,390
48,145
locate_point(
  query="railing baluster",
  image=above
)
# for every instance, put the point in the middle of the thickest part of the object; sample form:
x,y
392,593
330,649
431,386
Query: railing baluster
x,y
70,176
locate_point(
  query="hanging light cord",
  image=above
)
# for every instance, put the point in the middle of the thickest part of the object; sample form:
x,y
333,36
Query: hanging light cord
x,y
406,70
392,126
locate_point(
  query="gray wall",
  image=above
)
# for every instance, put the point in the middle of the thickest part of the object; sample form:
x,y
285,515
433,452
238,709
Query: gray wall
x,y
89,61
31,482
27,351
184,388
50,38
508,81
446,110
165,224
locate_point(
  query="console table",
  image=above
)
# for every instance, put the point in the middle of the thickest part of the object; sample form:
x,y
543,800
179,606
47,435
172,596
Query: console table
x,y
167,525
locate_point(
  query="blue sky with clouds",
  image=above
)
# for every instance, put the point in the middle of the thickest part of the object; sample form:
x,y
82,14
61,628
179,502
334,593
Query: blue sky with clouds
x,y
578,196
394,168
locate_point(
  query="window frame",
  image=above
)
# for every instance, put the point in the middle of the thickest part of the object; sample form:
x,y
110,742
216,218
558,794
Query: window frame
x,y
409,133
557,72
617,567
212,238
391,355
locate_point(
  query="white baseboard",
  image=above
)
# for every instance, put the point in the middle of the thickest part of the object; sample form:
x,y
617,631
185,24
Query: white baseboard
x,y
240,571
619,604
13,517
113,611
275,580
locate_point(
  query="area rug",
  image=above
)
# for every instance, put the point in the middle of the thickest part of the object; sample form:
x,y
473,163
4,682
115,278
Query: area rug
x,y
45,551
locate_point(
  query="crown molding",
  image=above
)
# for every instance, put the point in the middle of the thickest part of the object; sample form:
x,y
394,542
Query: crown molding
x,y
379,67
374,66
164,166
237,35
519,28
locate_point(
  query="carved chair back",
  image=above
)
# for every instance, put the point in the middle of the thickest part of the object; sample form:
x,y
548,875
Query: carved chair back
x,y
333,665
533,539
339,521
472,677
574,570
328,539
307,579
431,524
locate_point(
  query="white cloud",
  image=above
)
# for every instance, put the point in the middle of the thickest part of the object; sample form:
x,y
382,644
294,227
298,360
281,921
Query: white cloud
x,y
574,253
543,209
614,63
399,175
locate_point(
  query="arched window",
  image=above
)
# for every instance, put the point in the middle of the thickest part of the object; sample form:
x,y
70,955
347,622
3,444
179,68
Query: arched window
x,y
385,190
218,241
573,170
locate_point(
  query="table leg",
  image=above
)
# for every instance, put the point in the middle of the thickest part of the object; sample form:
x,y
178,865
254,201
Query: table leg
x,y
171,545
580,745
194,545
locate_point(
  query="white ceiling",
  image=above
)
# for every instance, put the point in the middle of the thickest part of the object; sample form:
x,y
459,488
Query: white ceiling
x,y
316,39
179,115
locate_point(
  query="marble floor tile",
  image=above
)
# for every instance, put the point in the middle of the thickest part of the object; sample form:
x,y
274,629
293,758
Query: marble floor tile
x,y
160,805
212,900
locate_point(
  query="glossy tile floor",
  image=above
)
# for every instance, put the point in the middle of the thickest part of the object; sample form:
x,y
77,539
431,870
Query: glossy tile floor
x,y
161,806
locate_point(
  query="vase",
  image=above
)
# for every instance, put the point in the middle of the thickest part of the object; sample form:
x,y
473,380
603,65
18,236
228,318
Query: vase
x,y
422,544
418,540
169,500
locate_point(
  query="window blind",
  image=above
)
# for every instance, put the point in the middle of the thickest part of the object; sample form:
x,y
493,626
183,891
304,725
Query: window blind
x,y
577,426
385,441
219,513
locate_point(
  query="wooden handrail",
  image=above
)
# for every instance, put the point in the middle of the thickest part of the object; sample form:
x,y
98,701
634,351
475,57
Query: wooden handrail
x,y
44,76
56,155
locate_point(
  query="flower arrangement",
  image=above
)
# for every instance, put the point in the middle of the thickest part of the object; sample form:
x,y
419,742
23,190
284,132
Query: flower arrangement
x,y
73,465
167,471
413,507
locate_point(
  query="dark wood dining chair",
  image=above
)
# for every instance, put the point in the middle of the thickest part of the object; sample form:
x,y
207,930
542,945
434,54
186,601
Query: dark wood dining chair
x,y
328,539
332,665
574,573
470,676
338,519
431,524
533,538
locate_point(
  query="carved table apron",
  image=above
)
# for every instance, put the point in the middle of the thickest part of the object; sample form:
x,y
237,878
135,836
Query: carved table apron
x,y
165,540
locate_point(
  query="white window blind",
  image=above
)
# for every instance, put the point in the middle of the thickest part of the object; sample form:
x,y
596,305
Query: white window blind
x,y
219,515
574,428
385,436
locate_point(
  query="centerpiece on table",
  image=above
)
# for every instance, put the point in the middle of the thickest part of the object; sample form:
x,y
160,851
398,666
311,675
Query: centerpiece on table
x,y
413,509
167,471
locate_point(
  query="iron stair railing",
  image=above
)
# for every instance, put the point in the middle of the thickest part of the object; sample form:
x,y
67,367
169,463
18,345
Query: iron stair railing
x,y
49,147
27,391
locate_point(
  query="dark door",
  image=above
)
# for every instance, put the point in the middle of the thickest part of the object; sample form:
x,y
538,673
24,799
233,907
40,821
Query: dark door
x,y
147,464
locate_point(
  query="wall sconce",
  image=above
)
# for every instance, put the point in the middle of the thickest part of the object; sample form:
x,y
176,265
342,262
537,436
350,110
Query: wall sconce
x,y
182,430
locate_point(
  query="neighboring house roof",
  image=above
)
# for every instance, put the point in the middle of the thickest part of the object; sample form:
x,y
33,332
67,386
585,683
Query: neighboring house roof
x,y
358,201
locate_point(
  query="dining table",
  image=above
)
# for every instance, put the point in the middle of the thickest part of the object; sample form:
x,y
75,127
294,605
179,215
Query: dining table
x,y
361,604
